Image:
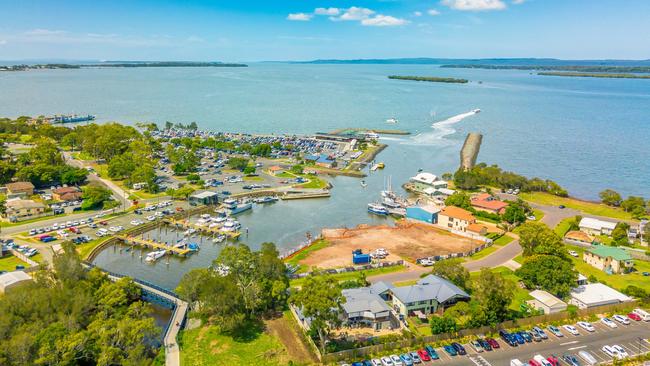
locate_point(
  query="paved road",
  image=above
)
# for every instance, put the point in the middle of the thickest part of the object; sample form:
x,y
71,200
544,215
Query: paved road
x,y
627,337
498,258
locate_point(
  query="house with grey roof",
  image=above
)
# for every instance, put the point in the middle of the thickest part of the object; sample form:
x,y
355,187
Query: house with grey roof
x,y
428,295
365,308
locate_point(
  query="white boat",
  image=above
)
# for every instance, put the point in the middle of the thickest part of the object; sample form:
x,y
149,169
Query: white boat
x,y
377,209
219,238
476,110
189,232
374,167
231,225
392,121
364,184
154,256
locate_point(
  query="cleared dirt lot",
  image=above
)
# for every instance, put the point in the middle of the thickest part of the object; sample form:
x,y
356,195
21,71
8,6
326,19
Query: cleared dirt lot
x,y
408,240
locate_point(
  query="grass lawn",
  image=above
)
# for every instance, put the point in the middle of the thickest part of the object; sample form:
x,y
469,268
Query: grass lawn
x,y
347,276
485,252
318,245
253,179
82,156
592,208
85,248
285,175
9,262
207,346
520,296
503,240
617,281
314,182
539,214
563,227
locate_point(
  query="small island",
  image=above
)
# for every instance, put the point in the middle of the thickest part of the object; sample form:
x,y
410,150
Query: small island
x,y
433,79
571,68
120,64
595,75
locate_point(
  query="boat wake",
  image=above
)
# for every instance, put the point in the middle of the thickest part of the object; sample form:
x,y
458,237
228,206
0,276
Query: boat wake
x,y
441,129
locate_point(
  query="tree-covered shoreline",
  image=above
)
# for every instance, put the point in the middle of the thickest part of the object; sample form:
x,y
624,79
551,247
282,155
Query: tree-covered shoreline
x,y
434,79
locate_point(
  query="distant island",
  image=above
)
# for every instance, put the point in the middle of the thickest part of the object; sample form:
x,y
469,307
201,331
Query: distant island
x,y
577,68
518,62
433,79
595,75
25,67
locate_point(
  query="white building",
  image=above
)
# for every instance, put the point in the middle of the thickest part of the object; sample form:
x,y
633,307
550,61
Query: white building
x,y
13,279
595,227
596,294
546,302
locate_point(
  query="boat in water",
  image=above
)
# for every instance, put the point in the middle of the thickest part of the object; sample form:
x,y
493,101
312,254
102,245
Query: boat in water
x,y
377,209
476,110
154,256
241,207
381,165
374,167
193,247
267,199
230,202
392,121
219,238
231,225
364,184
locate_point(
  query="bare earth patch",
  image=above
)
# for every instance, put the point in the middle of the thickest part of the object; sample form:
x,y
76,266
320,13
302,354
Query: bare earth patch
x,y
408,240
296,349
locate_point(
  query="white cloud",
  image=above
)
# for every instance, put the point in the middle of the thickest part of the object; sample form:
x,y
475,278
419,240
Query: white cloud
x,y
327,11
517,2
355,13
417,13
44,32
474,5
301,17
383,21
433,12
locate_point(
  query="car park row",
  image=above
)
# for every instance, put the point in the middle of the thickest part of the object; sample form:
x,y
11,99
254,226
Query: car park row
x,y
513,340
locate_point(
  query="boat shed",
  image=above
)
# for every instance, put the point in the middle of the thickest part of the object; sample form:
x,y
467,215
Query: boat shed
x,y
204,198
13,279
423,213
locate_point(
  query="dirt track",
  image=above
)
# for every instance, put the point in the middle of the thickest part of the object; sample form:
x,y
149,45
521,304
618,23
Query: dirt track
x,y
407,240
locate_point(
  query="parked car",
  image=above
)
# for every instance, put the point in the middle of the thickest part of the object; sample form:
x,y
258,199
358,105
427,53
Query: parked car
x,y
406,359
571,360
476,345
415,357
533,362
573,253
493,343
484,344
620,351
432,352
527,336
621,319
386,361
571,329
586,326
424,355
541,360
376,362
555,331
519,338
553,360
587,357
451,350
397,361
540,332
608,322
459,348
634,317
609,351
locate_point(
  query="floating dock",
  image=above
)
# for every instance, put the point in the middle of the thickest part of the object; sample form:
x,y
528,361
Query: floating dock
x,y
204,230
146,243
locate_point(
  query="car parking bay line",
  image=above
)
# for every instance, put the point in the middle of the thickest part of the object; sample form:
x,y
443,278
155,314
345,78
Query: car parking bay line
x,y
603,356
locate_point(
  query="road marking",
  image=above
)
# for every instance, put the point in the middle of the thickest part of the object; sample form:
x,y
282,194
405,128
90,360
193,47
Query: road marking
x,y
567,343
575,348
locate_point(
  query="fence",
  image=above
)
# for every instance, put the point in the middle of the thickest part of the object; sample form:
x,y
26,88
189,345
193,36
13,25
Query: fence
x,y
351,269
420,341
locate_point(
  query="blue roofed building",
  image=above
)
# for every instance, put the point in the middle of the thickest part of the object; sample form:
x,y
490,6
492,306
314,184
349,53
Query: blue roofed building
x,y
429,295
423,213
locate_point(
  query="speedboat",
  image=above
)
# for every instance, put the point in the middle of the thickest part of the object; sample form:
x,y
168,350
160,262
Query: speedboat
x,y
392,120
219,238
377,209
476,110
193,247
364,184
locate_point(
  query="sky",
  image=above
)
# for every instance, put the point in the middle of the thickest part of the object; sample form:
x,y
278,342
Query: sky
x,y
263,30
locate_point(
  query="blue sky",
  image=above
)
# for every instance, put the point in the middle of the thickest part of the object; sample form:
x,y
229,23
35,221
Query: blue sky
x,y
241,30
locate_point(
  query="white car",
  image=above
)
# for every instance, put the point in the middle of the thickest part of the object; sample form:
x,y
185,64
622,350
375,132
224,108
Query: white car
x,y
609,322
542,360
135,222
620,351
114,229
621,319
376,362
589,359
611,352
386,361
396,360
571,329
586,326
151,217
99,234
573,253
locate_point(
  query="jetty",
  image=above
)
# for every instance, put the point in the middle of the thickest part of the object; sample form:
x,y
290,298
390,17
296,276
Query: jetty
x,y
296,195
146,243
204,230
470,150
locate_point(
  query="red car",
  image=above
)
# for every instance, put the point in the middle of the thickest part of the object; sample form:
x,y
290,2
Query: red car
x,y
634,316
424,355
532,362
553,360
493,343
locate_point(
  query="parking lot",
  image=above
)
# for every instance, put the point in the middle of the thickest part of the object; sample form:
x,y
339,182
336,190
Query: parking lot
x,y
633,338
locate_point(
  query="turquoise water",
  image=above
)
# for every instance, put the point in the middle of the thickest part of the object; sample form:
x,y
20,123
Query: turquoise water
x,y
585,133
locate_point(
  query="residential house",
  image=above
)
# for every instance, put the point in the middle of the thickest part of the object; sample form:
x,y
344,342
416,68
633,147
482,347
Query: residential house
x,y
546,302
423,181
595,227
423,213
19,189
487,202
596,294
364,308
67,194
455,218
609,259
429,295
477,228
19,209
579,236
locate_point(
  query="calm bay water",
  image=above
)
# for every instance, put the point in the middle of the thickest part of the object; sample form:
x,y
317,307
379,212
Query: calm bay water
x,y
587,134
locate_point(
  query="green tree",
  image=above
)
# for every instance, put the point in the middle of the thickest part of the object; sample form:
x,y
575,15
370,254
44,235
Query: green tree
x,y
633,204
537,238
494,293
94,195
549,273
238,163
514,214
452,270
610,197
459,199
443,324
320,299
619,234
